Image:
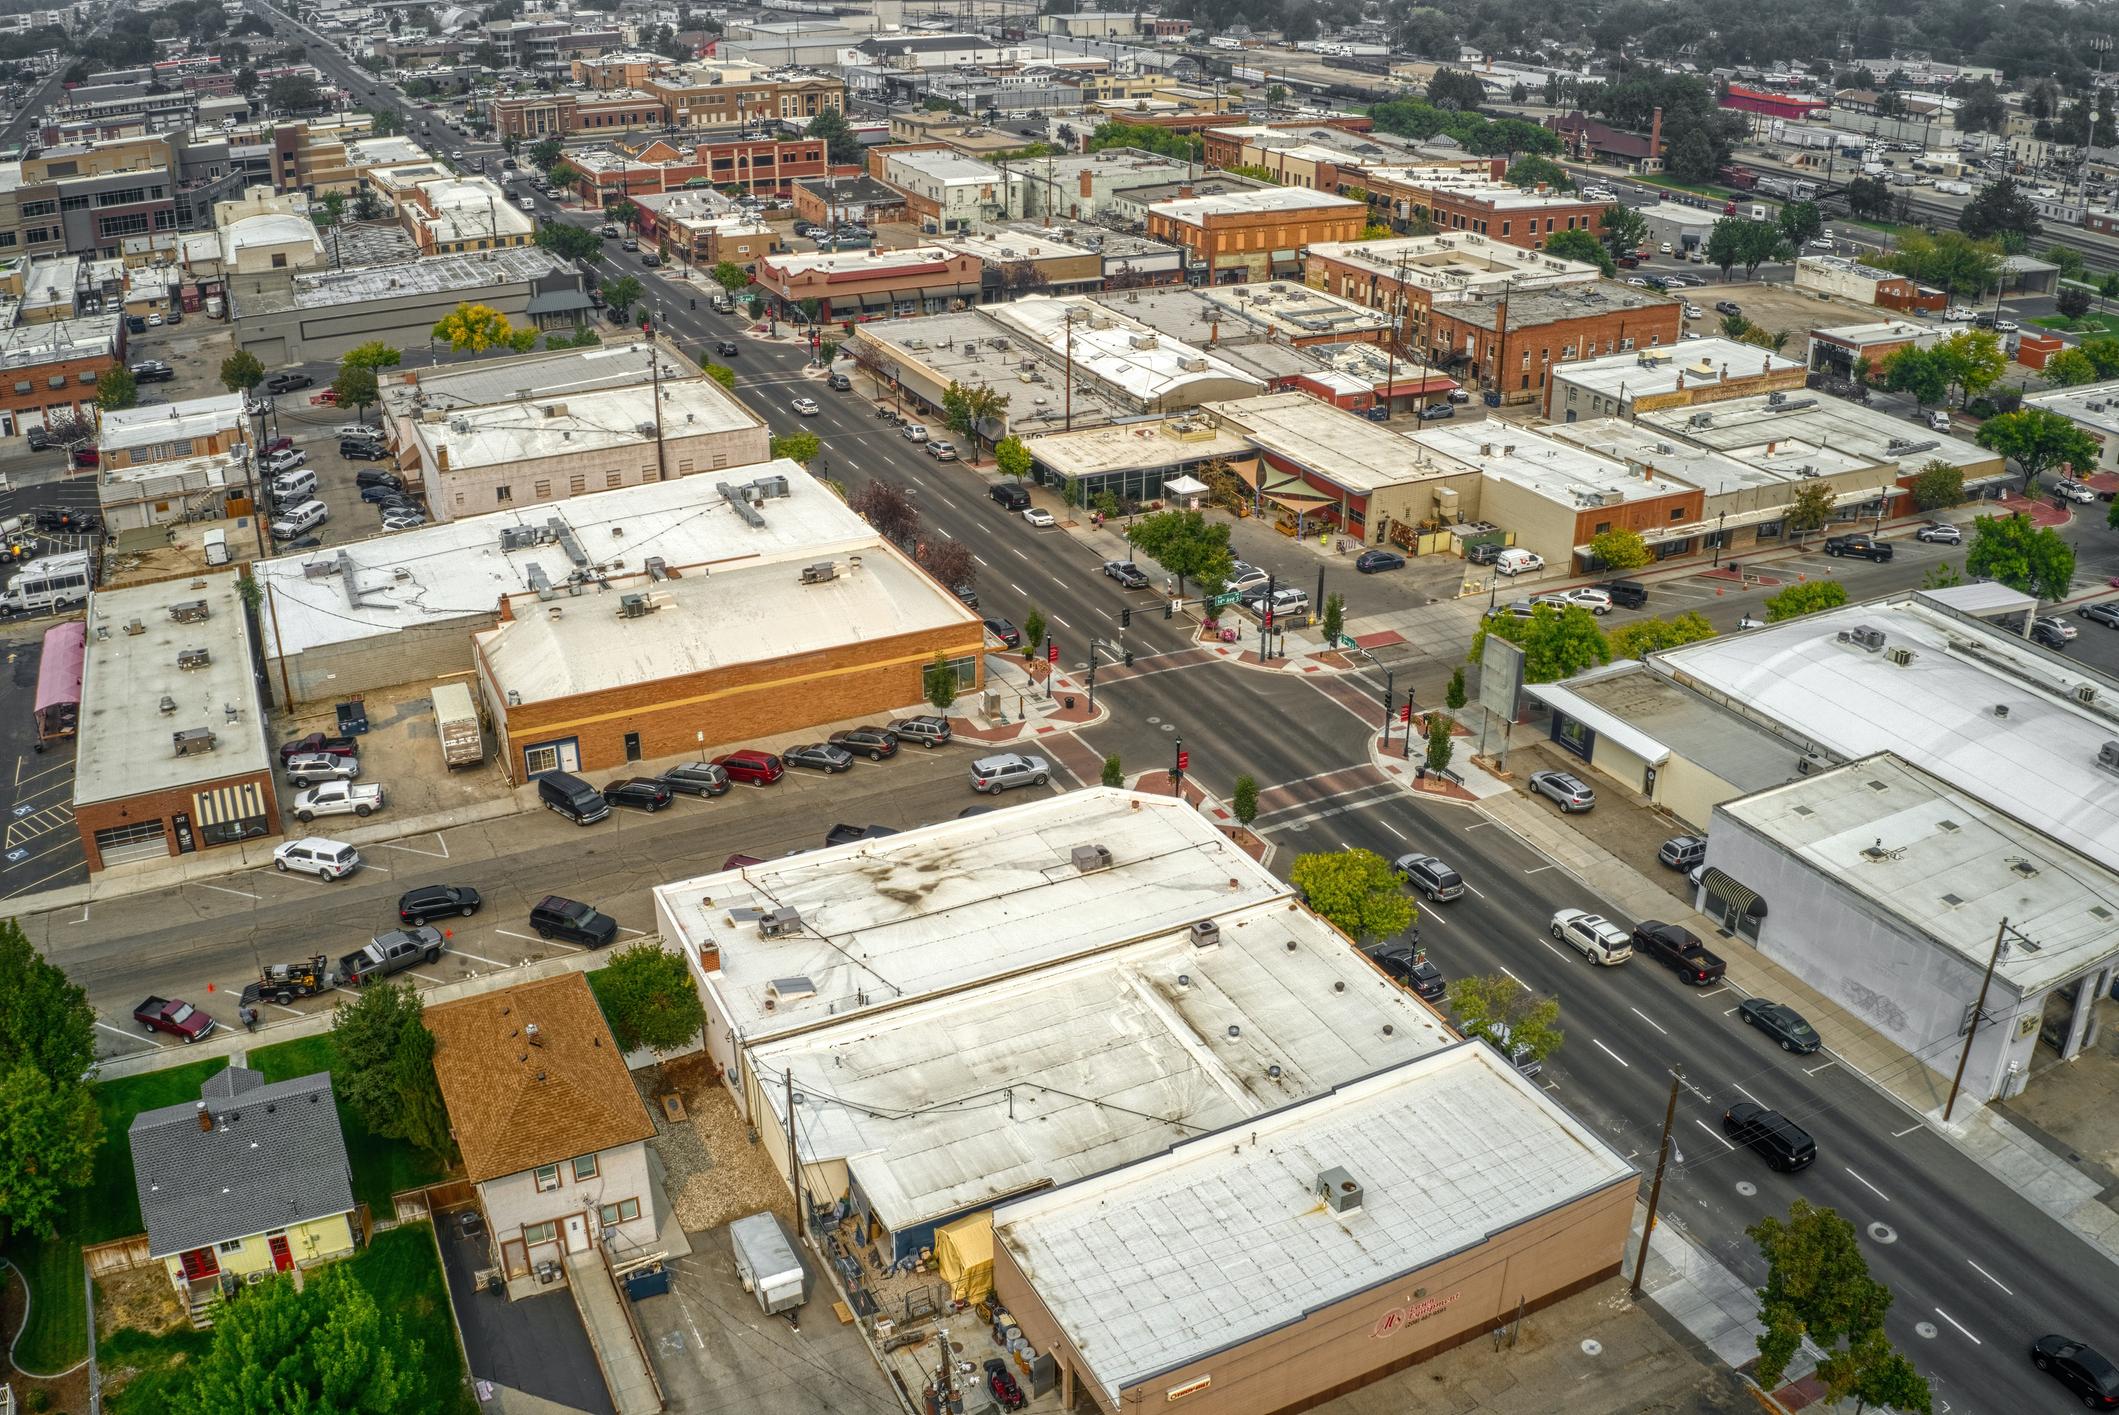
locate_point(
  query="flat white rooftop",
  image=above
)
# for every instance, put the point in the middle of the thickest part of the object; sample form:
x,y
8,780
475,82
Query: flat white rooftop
x,y
453,570
1694,364
1123,353
503,434
1810,428
1946,865
1238,314
947,168
1456,262
171,422
874,263
2089,405
1223,1239
1348,450
1194,210
1558,471
938,909
127,745
1088,451
1103,1060
2038,764
1712,472
1880,331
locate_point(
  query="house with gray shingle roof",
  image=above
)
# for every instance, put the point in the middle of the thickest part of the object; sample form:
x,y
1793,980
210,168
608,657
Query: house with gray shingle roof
x,y
248,1180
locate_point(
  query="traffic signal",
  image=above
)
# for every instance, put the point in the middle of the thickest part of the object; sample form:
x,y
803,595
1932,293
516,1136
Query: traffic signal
x,y
1184,759
1169,608
1129,658
1125,617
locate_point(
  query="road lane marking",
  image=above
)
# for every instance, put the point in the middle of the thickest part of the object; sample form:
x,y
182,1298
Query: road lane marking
x,y
1717,993
1472,887
1990,1278
1744,1093
1646,1018
526,938
1712,1131
1813,1070
1061,622
1541,869
1018,554
224,889
945,501
980,558
1018,589
461,953
1480,826
441,854
1553,946
135,1036
1391,828
1959,1325
1868,1186
1612,1054
1519,981
1901,1134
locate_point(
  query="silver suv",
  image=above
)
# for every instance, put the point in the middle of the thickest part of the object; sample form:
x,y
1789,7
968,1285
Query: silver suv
x,y
929,731
994,775
1567,792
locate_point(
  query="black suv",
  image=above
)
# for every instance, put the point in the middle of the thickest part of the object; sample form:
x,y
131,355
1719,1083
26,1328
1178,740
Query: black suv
x,y
928,731
362,449
696,779
416,906
1011,496
1779,1141
378,476
726,348
874,743
571,921
1627,594
642,793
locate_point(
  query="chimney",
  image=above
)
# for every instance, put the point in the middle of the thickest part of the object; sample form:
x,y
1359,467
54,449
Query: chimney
x,y
1088,183
1213,333
1184,192
205,1118
1655,134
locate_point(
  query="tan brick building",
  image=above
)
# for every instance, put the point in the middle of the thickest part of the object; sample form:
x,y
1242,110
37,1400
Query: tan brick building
x,y
1253,235
1451,200
1510,343
873,283
169,432
540,115
695,104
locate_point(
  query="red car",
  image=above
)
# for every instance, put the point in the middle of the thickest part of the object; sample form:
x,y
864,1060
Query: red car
x,y
757,768
278,444
317,742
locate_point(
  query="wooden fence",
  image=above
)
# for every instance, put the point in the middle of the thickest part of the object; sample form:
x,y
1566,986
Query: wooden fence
x,y
117,1256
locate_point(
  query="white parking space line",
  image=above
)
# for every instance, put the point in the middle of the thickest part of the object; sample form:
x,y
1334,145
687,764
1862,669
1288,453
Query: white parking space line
x,y
1541,869
1868,1186
636,933
296,1011
510,933
480,958
1813,1070
1959,1325
223,889
1646,1018
1717,993
441,854
1612,1054
425,977
1712,1131
1990,1278
1901,1134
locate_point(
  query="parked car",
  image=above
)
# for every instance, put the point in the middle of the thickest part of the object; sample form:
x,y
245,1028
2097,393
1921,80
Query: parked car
x,y
1010,495
642,793
874,743
752,767
1007,633
1128,575
843,834
378,476
819,756
1408,964
839,383
1484,552
1429,876
1593,936
942,450
1779,1141
402,520
2103,611
288,382
2068,489
807,407
336,798
1038,516
696,779
432,901
1727,307
174,1016
284,460
1596,601
929,731
914,432
2086,1373
361,449
1245,578
1858,543
1678,949
314,855
1682,852
316,743
1780,1022
1371,562
1438,412
312,767
1517,561
996,774
571,921
1940,535
1566,790
566,794
726,348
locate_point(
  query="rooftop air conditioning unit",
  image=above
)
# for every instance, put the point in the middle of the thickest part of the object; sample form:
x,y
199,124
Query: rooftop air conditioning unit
x,y
2085,693
190,611
1088,859
1899,655
2108,757
818,573
191,659
1867,636
1338,1189
780,922
192,741
634,606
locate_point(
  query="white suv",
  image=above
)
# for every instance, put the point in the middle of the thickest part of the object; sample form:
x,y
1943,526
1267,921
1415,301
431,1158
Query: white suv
x,y
994,775
1593,936
314,855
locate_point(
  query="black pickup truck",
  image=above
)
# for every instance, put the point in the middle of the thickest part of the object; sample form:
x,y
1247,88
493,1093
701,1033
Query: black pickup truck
x,y
1678,949
1860,544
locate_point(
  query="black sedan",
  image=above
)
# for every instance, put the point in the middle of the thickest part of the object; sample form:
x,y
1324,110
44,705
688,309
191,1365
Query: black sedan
x,y
375,476
431,901
1780,1022
1372,562
1007,633
642,793
2092,1378
874,743
1409,965
819,756
382,493
726,348
1128,575
696,779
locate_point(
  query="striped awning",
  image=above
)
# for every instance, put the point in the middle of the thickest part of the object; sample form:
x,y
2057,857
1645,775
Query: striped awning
x,y
245,801
1739,897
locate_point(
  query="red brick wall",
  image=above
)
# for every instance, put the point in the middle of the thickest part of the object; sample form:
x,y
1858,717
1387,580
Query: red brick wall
x,y
1498,359
164,806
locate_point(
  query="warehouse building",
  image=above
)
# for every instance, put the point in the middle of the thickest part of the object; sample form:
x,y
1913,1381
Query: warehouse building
x,y
172,754
1827,432
1683,375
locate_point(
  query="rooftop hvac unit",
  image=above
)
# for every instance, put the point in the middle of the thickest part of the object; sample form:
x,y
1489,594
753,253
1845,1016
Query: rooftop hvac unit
x,y
795,989
2085,693
1142,341
2108,757
634,606
1088,859
658,569
517,537
1900,655
134,627
1863,636
192,659
780,923
193,741
1206,934
769,487
818,573
190,611
2096,407
1700,420
1338,1190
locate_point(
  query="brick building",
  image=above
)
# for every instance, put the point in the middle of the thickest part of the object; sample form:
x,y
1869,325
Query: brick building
x,y
1587,140
169,432
766,166
1694,373
699,227
709,103
1851,280
49,370
1452,201
1510,343
1410,275
539,115
1253,235
172,754
873,283
831,200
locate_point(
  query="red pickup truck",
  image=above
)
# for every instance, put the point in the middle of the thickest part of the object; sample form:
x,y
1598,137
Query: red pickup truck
x,y
317,744
174,1016
1679,949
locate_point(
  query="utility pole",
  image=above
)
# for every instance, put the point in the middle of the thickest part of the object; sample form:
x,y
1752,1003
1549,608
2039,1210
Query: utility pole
x,y
662,466
1068,320
2001,951
1655,1190
794,1160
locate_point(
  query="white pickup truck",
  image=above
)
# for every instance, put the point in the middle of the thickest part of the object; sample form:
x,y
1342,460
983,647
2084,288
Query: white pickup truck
x,y
311,767
337,798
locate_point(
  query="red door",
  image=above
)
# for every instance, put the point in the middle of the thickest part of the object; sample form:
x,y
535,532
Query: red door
x,y
200,1264
282,1256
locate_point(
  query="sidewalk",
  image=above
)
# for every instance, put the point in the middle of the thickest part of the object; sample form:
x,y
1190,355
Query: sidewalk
x,y
1999,1146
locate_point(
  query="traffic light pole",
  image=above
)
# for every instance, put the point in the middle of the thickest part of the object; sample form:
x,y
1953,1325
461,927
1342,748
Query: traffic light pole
x,y
1177,769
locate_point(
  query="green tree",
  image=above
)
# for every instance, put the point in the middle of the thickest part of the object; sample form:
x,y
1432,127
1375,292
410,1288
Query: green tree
x,y
1737,241
569,242
1033,632
966,407
1919,372
1536,171
1114,774
1973,360
1243,801
841,145
386,1067
800,447
1948,260
721,374
1735,326
1621,549
1646,636
325,1348
1495,1005
293,93
1583,246
650,1000
1623,228
545,153
241,371
49,1134
355,388
374,356
1806,597
2070,368
1454,697
329,210
1811,509
1186,544
940,684
2072,301
1817,1287
2023,556
1724,248
1936,485
1334,622
474,329
2036,439
1356,891
1165,142
730,276
1999,209
115,389
45,1019
1441,741
565,175
1800,222
1456,88
1556,643
621,295
1868,196
1012,457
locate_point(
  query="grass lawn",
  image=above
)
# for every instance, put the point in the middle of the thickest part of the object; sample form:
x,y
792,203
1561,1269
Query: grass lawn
x,y
2091,323
158,1363
55,1338
381,1167
1718,193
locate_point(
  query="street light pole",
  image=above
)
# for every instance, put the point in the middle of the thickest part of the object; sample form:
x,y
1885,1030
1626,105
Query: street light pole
x,y
1655,1189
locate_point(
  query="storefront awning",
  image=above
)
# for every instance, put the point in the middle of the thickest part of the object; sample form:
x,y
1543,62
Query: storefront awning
x,y
228,803
557,302
1739,897
1299,504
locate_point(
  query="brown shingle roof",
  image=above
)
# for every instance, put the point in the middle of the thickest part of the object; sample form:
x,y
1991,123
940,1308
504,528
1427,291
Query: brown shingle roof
x,y
519,1099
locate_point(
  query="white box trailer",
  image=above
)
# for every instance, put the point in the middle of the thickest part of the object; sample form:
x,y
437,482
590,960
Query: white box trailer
x,y
768,1264
462,743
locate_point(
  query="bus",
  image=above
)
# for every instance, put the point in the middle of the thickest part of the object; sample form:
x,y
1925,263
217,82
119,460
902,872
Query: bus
x,y
55,582
59,680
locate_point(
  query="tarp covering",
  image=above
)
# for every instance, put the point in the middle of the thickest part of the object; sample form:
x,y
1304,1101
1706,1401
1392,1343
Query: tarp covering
x,y
964,1251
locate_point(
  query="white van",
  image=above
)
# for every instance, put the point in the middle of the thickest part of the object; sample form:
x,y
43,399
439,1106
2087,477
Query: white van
x,y
288,485
300,520
1517,561
54,582
216,547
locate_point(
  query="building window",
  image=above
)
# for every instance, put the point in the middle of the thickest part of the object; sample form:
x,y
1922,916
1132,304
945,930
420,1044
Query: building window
x,y
577,484
1677,513
503,494
966,671
1602,526
233,1245
546,1232
624,1211
584,1167
543,490
547,1178
614,479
